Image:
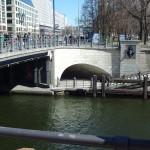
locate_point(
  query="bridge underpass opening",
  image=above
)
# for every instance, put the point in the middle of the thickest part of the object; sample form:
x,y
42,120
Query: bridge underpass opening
x,y
82,71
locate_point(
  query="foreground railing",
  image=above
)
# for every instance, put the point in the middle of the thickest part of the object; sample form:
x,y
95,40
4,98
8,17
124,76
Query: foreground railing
x,y
22,42
117,142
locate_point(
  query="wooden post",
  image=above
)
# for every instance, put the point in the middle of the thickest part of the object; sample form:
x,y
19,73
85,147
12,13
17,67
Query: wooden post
x,y
74,82
103,86
94,85
145,88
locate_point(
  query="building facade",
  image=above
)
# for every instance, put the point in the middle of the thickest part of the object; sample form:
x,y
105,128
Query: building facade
x,y
22,16
3,17
29,16
44,8
60,20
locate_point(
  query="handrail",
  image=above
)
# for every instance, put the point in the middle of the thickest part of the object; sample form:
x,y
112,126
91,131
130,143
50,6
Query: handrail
x,y
21,42
117,142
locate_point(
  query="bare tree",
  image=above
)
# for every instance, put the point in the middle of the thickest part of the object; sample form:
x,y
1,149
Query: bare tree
x,y
89,13
139,10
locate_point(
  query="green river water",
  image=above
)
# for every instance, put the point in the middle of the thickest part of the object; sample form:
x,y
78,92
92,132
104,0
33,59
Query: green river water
x,y
86,115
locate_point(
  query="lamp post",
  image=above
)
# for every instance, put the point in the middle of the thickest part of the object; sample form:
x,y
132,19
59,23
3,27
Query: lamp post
x,y
54,20
21,19
78,26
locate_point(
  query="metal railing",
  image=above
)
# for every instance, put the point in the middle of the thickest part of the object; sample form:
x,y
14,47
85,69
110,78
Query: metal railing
x,y
117,142
22,42
75,83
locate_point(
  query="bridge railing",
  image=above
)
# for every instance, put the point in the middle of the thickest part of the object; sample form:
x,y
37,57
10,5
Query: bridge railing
x,y
117,142
76,83
23,42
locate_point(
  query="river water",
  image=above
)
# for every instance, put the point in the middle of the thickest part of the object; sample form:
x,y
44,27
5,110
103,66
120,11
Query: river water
x,y
85,115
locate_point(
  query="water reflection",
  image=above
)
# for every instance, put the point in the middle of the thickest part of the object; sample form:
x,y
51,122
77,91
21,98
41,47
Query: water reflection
x,y
86,115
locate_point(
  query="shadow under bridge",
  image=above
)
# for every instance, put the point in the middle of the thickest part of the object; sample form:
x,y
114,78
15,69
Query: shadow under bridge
x,y
83,71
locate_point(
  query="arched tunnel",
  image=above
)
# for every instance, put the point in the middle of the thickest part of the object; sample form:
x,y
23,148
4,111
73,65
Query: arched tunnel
x,y
83,71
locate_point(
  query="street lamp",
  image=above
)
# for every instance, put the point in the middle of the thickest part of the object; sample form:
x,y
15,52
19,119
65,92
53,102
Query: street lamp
x,y
21,19
54,20
78,26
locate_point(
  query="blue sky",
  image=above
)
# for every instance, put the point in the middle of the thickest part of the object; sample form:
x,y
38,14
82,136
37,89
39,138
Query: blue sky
x,y
69,8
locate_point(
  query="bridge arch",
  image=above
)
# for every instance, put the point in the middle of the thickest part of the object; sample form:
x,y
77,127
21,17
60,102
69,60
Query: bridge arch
x,y
82,71
100,61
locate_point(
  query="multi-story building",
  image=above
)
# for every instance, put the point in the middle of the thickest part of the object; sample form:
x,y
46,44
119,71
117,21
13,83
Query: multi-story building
x,y
45,15
29,16
3,17
60,20
22,16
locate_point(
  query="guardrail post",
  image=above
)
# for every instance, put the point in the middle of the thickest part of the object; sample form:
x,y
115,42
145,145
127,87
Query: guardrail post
x,y
40,39
12,43
94,85
79,40
29,42
103,86
91,42
45,41
74,82
54,40
139,74
35,42
49,41
66,40
21,42
57,40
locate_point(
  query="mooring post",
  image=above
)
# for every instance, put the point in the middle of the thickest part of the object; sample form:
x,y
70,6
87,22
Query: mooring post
x,y
91,82
94,85
74,82
145,88
103,86
139,74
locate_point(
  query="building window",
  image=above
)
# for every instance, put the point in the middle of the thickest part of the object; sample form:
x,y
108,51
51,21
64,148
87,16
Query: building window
x,y
3,20
9,28
9,14
8,1
9,21
8,8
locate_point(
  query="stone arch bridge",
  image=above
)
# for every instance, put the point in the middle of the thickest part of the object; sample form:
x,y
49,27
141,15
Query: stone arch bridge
x,y
50,64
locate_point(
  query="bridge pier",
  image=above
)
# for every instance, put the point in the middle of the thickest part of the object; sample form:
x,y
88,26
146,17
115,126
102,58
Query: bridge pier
x,y
48,74
36,82
11,76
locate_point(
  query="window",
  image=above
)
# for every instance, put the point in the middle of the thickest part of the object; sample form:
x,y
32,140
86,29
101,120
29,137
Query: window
x,y
4,28
9,14
9,21
8,1
8,8
9,28
3,20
